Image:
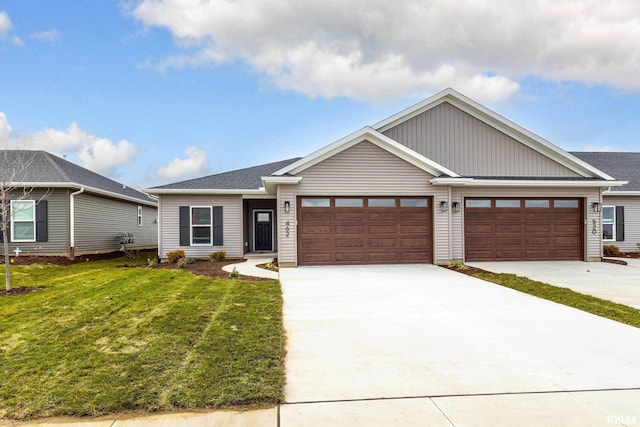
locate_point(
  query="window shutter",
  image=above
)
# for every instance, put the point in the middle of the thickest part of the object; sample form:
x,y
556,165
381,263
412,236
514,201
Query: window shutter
x,y
1,231
185,235
619,223
42,229
8,223
217,226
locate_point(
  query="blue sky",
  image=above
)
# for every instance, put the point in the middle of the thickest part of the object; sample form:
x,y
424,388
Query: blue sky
x,y
151,92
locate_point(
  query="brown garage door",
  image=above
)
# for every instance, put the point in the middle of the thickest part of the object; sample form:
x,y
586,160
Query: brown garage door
x,y
364,230
523,229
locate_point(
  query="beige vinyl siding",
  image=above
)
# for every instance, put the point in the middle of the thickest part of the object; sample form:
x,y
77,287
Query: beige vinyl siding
x,y
631,221
589,195
470,147
361,170
231,221
58,231
98,220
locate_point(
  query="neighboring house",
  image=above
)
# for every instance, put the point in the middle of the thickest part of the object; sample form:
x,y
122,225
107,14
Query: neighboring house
x,y
82,212
620,205
446,179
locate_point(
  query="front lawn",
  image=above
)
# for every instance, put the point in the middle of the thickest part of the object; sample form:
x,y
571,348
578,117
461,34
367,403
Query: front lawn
x,y
588,303
102,338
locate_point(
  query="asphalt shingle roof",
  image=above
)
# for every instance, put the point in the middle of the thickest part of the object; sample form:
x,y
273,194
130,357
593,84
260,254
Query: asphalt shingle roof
x,y
621,166
45,167
240,179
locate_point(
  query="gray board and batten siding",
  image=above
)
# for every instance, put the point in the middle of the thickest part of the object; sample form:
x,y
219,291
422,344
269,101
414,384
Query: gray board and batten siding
x,y
461,142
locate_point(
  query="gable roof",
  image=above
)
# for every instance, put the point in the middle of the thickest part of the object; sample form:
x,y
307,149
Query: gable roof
x,y
623,166
239,180
47,170
498,122
376,138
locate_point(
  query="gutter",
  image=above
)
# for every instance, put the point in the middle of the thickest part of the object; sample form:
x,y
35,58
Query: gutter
x,y
72,218
476,182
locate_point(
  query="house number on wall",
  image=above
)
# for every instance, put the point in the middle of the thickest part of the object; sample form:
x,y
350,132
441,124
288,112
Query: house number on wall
x,y
286,229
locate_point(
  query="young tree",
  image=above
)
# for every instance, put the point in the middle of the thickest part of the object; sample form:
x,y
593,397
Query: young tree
x,y
14,170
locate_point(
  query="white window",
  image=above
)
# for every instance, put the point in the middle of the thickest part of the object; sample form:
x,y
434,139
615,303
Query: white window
x,y
608,223
201,226
139,216
23,221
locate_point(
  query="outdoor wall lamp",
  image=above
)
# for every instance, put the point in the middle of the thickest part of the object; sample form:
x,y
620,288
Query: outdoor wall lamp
x,y
455,206
444,206
287,206
596,207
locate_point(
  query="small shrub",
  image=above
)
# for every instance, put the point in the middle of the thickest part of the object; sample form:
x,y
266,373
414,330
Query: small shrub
x,y
182,262
174,256
188,260
234,274
458,265
218,256
638,245
611,250
152,262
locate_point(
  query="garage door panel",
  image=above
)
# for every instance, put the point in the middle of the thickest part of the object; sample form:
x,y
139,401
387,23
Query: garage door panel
x,y
349,216
375,215
349,229
382,229
349,243
320,215
509,240
508,228
524,233
508,216
316,229
382,243
382,233
479,228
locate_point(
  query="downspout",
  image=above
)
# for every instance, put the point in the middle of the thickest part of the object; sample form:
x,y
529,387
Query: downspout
x,y
450,228
72,221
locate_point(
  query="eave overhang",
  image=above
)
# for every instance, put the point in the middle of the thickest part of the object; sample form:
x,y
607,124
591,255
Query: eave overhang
x,y
215,191
87,188
479,182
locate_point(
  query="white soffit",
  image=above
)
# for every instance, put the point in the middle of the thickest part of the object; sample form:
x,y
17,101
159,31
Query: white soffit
x,y
498,122
370,135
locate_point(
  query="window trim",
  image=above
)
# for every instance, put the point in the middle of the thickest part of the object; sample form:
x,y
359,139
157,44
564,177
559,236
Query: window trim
x,y
139,216
210,225
613,224
13,221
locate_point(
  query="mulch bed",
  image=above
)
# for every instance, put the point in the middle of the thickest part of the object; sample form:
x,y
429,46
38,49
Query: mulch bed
x,y
468,270
60,260
18,291
211,269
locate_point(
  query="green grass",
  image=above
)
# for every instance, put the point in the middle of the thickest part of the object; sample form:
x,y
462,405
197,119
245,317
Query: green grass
x,y
588,303
102,339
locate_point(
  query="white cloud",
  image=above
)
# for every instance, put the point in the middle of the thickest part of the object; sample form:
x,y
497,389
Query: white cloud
x,y
100,155
5,30
195,163
49,36
379,49
5,23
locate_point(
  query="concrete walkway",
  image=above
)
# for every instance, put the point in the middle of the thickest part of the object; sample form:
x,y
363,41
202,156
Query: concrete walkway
x,y
613,282
249,268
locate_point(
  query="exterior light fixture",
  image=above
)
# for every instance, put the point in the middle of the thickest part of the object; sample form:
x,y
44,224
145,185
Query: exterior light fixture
x,y
287,206
455,207
597,206
444,206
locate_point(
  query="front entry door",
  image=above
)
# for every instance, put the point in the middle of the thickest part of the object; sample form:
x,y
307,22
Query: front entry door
x,y
263,221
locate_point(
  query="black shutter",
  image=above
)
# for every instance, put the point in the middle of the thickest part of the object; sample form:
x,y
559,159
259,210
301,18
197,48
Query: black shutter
x,y
217,226
1,231
619,223
8,223
42,229
185,235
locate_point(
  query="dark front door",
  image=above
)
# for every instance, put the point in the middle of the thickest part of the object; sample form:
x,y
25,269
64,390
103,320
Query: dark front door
x,y
263,221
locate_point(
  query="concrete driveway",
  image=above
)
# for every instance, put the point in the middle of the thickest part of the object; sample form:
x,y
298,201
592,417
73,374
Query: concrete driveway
x,y
428,346
614,282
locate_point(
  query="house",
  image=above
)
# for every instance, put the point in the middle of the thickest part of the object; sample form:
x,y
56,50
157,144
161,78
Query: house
x,y
620,205
447,179
73,211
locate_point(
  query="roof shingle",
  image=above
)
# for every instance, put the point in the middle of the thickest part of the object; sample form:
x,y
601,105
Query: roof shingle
x,y
621,166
